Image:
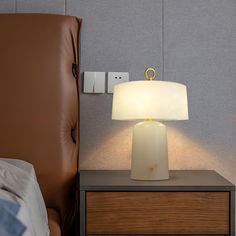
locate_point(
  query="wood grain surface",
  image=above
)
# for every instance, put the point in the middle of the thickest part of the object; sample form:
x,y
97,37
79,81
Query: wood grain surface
x,y
157,213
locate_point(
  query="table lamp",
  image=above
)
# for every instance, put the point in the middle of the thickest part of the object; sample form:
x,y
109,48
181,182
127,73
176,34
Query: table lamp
x,y
148,100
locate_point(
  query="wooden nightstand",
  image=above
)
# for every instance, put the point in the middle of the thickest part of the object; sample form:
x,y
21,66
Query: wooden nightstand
x,y
190,202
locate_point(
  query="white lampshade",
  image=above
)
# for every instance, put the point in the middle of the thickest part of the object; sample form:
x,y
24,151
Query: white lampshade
x,y
160,100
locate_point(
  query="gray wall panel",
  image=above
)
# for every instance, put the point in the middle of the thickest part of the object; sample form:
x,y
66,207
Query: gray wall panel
x,y
200,51
42,6
7,6
123,35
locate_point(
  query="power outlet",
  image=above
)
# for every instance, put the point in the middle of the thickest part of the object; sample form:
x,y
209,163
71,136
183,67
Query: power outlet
x,y
116,78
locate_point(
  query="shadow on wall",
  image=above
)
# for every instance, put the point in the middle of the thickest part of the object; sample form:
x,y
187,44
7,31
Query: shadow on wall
x,y
113,151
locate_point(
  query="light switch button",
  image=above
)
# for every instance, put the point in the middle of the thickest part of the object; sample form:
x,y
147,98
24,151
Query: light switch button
x,y
94,82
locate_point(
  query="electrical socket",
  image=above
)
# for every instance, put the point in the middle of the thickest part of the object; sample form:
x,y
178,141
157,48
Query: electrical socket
x,y
116,78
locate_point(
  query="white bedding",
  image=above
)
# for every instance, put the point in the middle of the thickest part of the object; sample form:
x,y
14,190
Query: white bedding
x,y
18,183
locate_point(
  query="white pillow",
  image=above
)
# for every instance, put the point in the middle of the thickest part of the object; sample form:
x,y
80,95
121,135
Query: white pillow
x,y
19,179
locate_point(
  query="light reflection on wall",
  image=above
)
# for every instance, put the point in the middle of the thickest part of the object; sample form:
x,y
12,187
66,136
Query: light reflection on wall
x,y
187,153
111,152
114,152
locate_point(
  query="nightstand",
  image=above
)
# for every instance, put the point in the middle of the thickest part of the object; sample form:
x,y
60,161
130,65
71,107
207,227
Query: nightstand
x,y
191,202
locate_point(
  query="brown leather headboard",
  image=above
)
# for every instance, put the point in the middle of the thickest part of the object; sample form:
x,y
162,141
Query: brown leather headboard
x,y
39,102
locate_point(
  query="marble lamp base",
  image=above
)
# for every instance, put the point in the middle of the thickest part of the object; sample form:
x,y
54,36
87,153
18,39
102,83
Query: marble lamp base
x,y
149,151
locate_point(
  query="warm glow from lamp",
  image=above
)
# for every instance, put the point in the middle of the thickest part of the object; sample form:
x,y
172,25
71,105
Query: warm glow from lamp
x,y
148,100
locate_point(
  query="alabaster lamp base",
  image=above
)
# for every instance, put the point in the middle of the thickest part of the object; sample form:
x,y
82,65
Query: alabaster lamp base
x,y
149,151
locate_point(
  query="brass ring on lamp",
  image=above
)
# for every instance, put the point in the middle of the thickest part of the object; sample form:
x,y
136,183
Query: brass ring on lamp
x,y
150,69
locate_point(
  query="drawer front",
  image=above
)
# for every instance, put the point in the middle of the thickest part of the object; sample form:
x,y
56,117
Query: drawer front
x,y
157,213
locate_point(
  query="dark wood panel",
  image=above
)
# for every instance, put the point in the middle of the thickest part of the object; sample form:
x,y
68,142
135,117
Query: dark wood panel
x,y
157,212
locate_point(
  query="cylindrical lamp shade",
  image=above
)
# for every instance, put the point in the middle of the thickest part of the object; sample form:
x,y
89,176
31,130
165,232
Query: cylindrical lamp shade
x,y
160,100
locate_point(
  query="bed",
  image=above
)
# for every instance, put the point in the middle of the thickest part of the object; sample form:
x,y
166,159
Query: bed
x,y
39,104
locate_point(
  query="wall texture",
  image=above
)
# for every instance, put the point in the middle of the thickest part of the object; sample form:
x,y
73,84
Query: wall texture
x,y
199,50
114,38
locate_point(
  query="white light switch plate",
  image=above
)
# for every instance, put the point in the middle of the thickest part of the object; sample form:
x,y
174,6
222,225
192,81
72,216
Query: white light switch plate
x,y
94,82
116,78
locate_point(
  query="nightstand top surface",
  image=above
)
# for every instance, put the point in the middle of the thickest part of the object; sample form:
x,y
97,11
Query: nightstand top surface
x,y
180,180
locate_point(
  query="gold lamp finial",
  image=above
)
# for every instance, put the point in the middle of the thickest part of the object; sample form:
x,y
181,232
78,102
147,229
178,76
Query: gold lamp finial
x,y
153,72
